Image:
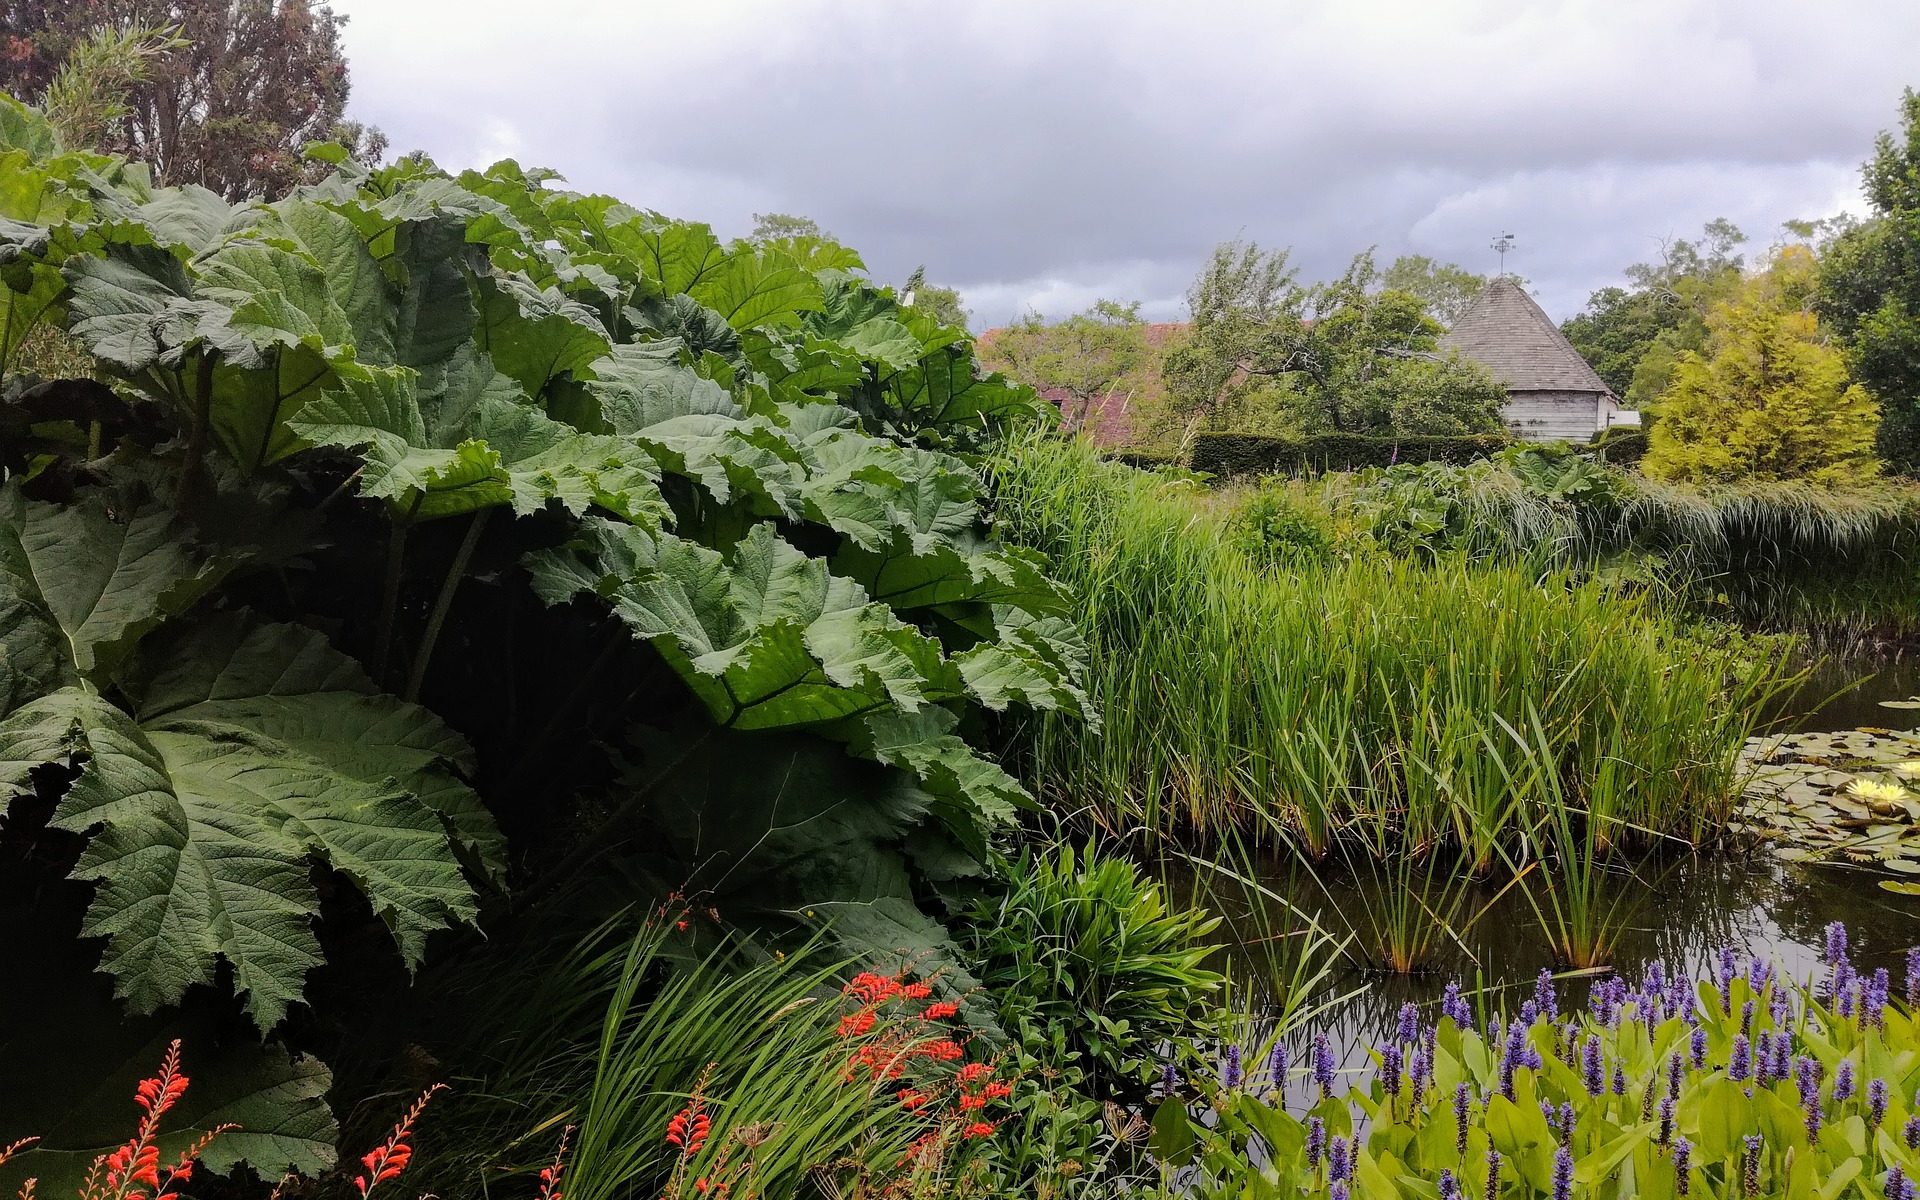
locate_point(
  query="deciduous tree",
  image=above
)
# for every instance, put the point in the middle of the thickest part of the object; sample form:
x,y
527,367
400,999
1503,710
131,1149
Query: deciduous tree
x,y
1081,361
231,109
1870,287
1445,288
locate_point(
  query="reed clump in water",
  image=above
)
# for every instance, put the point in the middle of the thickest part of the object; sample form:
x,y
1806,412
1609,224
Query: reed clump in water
x,y
1367,693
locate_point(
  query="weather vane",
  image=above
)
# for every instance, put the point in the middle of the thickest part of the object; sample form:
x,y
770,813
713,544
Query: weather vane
x,y
1501,244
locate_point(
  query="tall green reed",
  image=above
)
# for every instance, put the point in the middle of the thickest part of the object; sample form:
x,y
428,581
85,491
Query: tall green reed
x,y
1292,702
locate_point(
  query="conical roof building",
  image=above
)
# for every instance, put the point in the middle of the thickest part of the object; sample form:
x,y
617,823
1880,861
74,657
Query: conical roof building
x,y
1552,392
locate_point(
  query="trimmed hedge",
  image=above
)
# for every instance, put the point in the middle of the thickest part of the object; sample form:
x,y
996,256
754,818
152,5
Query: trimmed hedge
x,y
1148,460
1623,445
1227,454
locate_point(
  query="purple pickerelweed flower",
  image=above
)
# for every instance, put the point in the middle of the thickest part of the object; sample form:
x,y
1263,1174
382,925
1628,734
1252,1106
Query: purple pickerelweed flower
x,y
1529,1014
1873,1007
1746,1017
1897,1186
1836,943
1323,1064
1840,986
1544,997
1913,975
1454,1005
1682,1166
1562,1174
1407,1031
1779,1008
1231,1073
1339,1160
1666,1120
1316,1142
1449,1186
1910,1132
1277,1065
1619,1080
1750,1166
1807,1079
1697,1047
1338,1191
1592,1071
1493,1175
1169,1078
1763,1058
1782,1054
1567,1118
1420,1071
1392,1063
1550,1114
1876,1102
1676,1071
1729,967
1463,1109
1843,1081
1740,1059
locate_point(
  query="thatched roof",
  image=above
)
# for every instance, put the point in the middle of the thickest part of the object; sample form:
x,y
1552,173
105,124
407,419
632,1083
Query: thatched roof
x,y
1507,333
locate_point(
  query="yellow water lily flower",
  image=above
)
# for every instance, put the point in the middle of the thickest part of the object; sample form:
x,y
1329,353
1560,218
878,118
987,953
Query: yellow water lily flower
x,y
1872,790
1908,770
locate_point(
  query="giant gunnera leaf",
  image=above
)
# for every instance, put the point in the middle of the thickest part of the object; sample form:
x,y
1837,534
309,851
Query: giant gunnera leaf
x,y
251,752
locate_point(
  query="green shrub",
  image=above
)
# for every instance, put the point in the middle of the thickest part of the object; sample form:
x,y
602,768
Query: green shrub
x,y
1620,445
1086,948
1275,527
1229,454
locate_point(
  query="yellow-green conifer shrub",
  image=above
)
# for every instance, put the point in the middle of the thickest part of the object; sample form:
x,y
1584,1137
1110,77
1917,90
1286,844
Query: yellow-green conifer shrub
x,y
1770,399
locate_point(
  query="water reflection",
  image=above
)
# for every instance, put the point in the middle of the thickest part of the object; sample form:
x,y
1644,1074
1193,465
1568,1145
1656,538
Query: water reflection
x,y
1681,909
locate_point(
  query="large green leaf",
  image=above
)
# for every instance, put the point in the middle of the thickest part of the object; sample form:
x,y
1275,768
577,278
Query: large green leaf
x,y
766,638
81,583
470,447
251,751
752,289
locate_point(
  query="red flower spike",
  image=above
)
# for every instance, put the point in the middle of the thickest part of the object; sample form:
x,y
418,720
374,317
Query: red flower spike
x,y
391,1157
980,1129
940,1011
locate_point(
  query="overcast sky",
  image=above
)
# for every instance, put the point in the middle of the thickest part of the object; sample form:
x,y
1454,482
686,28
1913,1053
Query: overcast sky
x,y
1047,153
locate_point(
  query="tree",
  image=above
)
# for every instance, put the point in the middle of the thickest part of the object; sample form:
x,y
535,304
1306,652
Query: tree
x,y
1247,307
1346,356
1769,398
1634,336
1445,288
1079,362
91,89
232,109
773,226
940,303
1870,287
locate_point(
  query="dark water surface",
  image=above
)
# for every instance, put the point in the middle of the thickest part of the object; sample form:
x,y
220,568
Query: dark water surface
x,y
1680,908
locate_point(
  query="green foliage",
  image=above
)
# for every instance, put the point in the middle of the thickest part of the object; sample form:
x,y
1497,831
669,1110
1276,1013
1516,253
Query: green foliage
x,y
1620,445
1275,528
1444,288
1231,454
1344,356
1079,362
1365,690
697,505
1870,286
1085,944
1635,336
1769,399
1687,1115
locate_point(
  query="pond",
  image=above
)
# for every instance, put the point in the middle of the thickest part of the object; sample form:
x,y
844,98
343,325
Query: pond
x,y
1678,908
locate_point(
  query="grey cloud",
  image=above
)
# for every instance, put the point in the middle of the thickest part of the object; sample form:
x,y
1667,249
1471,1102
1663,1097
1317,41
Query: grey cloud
x,y
1047,155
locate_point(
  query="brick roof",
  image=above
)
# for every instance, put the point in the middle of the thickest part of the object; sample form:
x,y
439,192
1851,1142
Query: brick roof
x,y
1507,333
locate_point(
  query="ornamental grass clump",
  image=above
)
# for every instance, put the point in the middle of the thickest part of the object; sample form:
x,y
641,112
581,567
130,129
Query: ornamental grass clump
x,y
1741,1083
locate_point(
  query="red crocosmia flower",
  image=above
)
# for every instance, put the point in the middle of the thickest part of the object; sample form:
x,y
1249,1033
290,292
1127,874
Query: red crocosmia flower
x,y
980,1129
974,1072
944,1051
872,988
387,1160
969,1102
916,991
857,1024
998,1090
940,1011
910,1099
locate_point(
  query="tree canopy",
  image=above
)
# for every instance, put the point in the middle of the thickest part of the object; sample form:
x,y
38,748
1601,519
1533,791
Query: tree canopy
x,y
1345,356
1769,397
1080,361
1870,286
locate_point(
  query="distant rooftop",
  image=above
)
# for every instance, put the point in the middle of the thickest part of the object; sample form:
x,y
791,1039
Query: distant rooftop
x,y
1507,333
